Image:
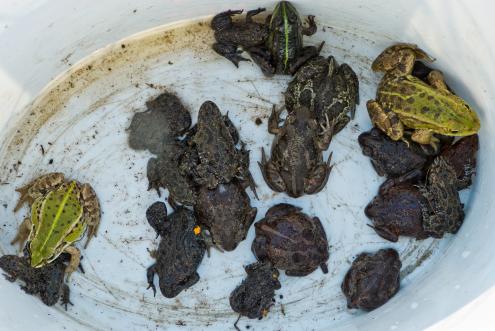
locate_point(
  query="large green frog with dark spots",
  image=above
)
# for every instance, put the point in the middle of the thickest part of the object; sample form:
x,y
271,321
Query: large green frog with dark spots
x,y
404,101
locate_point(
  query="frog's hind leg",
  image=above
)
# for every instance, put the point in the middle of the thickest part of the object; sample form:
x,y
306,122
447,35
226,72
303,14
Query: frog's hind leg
x,y
38,187
223,20
387,121
262,57
318,177
22,233
271,174
91,207
75,259
352,86
400,58
230,52
254,12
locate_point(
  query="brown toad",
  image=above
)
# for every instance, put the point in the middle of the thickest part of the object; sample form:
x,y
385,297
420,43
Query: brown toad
x,y
215,158
254,296
461,156
226,212
296,163
180,252
165,119
445,211
291,241
398,211
372,279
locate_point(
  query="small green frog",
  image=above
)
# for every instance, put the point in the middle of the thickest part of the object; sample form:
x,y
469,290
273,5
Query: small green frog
x,y
61,211
403,100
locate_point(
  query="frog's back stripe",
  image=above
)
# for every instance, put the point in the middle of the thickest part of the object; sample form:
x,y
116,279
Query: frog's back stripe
x,y
64,210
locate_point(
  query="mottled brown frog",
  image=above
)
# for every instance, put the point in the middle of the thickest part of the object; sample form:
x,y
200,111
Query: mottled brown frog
x,y
291,241
214,158
255,295
165,119
372,279
226,212
296,163
398,211
180,252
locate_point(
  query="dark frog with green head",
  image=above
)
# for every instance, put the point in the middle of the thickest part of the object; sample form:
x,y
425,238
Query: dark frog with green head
x,y
284,51
275,45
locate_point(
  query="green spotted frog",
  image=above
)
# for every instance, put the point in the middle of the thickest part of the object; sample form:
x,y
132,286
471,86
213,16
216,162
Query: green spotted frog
x,y
403,100
61,211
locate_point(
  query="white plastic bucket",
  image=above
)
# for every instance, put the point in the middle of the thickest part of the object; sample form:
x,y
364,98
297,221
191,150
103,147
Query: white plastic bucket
x,y
42,44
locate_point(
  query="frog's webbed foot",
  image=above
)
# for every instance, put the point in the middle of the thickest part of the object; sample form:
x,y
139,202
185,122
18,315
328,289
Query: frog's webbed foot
x,y
65,296
223,20
254,12
435,78
22,234
311,28
271,175
75,258
385,120
307,53
150,274
262,57
91,207
318,178
230,52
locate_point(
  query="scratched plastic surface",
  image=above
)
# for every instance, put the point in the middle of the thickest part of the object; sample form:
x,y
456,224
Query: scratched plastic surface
x,y
80,122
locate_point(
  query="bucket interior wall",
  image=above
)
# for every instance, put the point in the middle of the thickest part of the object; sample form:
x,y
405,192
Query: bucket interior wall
x,y
42,39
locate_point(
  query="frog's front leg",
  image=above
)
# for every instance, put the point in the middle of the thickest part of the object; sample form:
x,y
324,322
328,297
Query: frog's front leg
x,y
311,28
318,177
75,259
425,137
91,207
387,121
65,296
306,54
254,12
271,174
150,275
22,233
435,78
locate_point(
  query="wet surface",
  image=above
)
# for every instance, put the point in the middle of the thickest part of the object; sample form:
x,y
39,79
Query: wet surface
x,y
78,126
